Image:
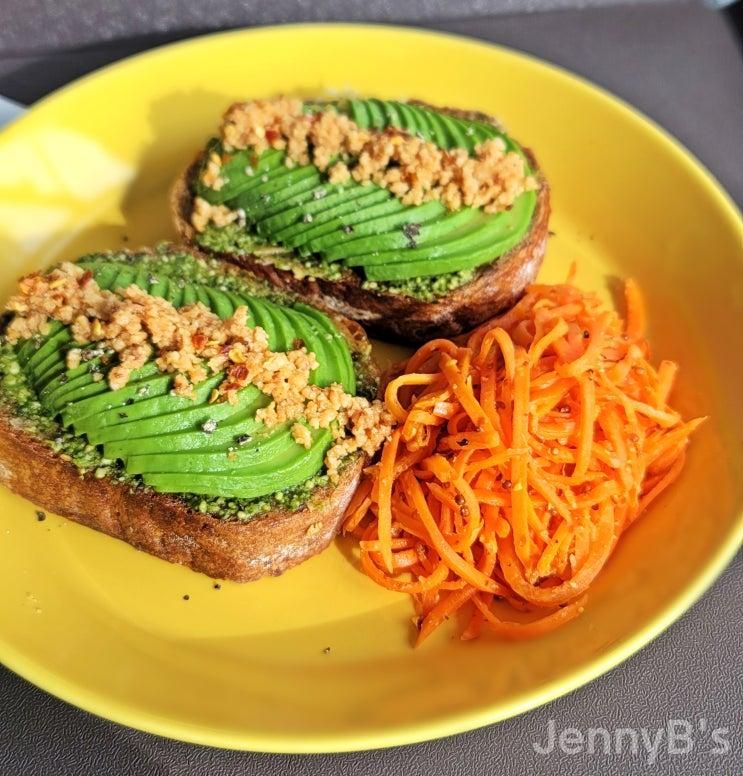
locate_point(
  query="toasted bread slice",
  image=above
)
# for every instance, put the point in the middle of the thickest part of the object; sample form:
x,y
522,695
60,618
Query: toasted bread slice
x,y
167,526
396,316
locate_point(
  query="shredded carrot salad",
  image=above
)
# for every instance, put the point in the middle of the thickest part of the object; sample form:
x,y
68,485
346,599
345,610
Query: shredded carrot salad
x,y
519,458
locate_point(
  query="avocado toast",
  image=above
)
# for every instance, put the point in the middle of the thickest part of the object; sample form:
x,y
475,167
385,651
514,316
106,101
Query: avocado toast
x,y
129,402
417,222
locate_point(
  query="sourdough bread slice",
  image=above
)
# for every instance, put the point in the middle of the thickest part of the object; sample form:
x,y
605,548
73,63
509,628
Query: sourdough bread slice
x,y
397,316
174,528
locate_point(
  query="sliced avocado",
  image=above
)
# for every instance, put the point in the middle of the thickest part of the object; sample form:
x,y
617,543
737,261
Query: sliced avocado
x,y
29,346
358,200
235,423
189,419
410,234
323,196
412,121
419,214
263,318
437,266
189,295
327,369
123,279
491,229
392,115
57,391
348,376
82,403
238,301
436,128
292,193
144,279
220,304
457,132
295,467
50,346
105,275
359,113
234,173
285,334
155,403
49,367
294,203
160,288
53,372
175,293
377,114
264,450
455,262
202,295
274,188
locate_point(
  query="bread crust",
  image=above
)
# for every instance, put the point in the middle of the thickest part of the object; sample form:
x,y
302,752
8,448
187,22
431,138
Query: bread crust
x,y
164,525
395,317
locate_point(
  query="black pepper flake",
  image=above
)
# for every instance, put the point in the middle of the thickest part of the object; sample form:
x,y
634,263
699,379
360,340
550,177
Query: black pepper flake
x,y
217,586
63,379
129,402
243,439
595,507
411,231
586,334
124,238
298,343
506,484
40,516
464,512
459,500
326,651
347,229
186,597
123,415
463,442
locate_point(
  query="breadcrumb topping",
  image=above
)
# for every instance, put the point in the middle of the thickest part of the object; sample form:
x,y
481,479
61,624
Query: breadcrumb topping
x,y
192,342
413,169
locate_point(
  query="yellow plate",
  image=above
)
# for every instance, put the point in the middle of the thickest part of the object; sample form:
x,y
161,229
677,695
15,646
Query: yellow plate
x,y
106,627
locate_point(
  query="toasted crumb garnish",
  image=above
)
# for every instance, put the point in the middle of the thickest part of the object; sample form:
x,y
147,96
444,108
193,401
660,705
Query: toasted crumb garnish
x,y
413,169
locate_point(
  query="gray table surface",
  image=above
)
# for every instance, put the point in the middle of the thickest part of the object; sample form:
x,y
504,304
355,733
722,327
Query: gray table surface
x,y
677,62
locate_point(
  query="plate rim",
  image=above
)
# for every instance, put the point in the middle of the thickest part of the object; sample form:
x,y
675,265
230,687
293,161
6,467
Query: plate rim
x,y
100,705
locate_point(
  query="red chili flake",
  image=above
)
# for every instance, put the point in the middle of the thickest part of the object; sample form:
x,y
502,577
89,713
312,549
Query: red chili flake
x,y
239,372
506,484
272,135
86,278
198,340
